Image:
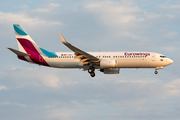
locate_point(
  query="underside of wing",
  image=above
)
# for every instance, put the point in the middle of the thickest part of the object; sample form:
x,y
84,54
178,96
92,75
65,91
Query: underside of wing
x,y
84,57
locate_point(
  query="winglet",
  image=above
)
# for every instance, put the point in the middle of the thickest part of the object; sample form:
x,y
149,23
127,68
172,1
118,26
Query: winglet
x,y
62,38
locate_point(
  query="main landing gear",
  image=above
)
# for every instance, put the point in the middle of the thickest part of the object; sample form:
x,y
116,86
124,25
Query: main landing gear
x,y
91,71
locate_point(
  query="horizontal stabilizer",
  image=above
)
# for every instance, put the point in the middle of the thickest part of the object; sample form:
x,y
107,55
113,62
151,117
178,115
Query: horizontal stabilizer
x,y
18,53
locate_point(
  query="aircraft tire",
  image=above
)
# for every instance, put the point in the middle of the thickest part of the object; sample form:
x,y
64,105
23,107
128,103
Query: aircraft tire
x,y
92,74
90,70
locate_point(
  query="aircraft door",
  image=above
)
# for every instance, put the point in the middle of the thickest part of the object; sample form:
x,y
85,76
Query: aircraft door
x,y
153,57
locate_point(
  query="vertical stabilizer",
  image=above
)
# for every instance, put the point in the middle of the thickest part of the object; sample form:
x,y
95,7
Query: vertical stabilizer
x,y
25,42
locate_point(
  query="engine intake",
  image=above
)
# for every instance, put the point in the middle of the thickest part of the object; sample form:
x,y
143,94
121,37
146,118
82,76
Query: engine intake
x,y
107,64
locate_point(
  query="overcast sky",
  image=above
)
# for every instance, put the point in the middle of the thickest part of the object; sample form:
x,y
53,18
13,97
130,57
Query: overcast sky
x,y
32,92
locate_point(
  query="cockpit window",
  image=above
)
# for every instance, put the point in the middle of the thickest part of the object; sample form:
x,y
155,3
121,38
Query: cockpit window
x,y
162,56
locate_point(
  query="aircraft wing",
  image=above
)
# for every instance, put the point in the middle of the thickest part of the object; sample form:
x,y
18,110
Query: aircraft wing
x,y
81,55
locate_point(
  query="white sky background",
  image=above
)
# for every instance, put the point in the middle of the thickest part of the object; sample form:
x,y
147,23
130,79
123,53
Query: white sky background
x,y
40,93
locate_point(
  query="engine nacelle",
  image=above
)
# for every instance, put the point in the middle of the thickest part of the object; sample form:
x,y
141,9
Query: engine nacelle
x,y
110,70
107,64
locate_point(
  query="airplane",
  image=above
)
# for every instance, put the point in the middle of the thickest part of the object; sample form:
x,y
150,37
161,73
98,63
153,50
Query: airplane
x,y
106,62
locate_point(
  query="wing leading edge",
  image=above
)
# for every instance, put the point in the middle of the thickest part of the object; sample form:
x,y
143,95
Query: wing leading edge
x,y
84,57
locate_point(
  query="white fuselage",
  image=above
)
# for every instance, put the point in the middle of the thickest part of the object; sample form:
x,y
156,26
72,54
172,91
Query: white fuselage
x,y
123,59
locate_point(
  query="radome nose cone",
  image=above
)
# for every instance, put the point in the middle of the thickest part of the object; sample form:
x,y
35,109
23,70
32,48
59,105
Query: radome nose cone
x,y
170,61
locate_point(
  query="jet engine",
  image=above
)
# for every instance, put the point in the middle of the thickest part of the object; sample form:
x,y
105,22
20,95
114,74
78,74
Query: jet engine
x,y
107,64
110,70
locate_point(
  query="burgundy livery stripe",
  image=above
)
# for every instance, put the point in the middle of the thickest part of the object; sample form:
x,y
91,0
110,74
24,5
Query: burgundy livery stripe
x,y
28,46
30,49
22,58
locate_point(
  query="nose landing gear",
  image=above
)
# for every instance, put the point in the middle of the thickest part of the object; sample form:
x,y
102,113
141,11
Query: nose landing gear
x,y
156,72
158,68
91,71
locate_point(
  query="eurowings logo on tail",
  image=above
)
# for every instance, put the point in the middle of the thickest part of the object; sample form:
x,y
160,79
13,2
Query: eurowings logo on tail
x,y
32,52
25,42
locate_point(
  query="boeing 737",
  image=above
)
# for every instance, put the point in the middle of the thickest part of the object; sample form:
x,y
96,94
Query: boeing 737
x,y
106,62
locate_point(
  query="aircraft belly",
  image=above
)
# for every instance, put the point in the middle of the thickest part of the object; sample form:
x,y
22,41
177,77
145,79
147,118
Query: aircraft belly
x,y
66,64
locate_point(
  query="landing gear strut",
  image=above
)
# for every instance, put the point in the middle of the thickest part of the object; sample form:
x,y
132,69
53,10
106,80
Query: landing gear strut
x,y
91,71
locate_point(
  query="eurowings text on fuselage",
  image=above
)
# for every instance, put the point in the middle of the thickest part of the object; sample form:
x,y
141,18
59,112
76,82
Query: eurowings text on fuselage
x,y
106,62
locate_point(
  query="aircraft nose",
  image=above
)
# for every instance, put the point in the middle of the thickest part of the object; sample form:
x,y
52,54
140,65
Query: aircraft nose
x,y
170,61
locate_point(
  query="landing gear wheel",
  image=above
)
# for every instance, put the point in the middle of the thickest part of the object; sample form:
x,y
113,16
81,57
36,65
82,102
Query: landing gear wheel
x,y
91,69
92,74
156,72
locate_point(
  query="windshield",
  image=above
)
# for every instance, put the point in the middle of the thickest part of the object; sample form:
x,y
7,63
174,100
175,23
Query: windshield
x,y
162,56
